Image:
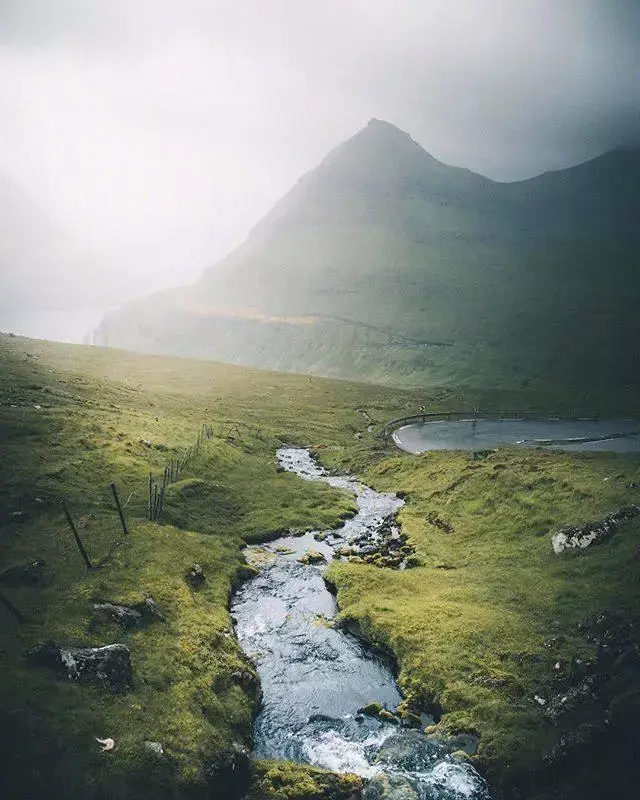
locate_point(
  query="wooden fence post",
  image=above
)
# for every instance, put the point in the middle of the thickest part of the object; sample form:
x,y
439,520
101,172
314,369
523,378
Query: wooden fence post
x,y
83,552
9,605
119,507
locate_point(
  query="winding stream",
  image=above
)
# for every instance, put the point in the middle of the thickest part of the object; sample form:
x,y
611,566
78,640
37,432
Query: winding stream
x,y
315,677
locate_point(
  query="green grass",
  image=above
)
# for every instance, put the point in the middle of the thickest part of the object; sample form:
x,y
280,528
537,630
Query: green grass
x,y
73,419
492,593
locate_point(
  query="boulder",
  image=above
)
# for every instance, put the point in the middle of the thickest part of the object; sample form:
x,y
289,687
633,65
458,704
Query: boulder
x,y
149,610
108,666
129,617
410,750
25,573
195,576
155,747
312,557
389,787
124,615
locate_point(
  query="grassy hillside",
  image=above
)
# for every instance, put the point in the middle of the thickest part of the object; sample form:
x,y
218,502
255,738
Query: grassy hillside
x,y
74,419
494,619
468,627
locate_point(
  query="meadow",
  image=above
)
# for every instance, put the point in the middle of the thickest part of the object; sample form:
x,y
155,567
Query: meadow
x,y
469,626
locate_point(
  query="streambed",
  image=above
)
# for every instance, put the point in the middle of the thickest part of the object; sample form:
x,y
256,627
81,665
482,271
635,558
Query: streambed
x,y
613,435
315,677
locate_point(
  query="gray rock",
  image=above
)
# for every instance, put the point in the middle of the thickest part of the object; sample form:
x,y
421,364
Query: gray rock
x,y
149,610
195,576
155,747
410,750
467,742
25,573
129,616
123,615
389,787
108,666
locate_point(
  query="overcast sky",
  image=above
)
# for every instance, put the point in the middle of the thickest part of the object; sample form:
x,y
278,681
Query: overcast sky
x,y
150,135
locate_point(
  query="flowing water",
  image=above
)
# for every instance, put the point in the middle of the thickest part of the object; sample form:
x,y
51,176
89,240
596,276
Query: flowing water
x,y
315,677
615,435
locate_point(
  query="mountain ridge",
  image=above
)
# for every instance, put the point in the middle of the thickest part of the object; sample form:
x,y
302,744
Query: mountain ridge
x,y
382,233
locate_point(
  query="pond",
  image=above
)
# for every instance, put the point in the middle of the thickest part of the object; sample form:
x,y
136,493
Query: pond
x,y
614,435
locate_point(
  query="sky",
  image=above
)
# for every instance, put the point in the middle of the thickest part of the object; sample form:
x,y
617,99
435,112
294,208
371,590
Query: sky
x,y
140,140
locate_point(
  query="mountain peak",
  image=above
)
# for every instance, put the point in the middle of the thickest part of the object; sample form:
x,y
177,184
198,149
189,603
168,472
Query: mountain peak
x,y
380,148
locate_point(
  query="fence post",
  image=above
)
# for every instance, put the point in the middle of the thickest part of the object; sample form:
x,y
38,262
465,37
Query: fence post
x,y
9,605
119,507
83,552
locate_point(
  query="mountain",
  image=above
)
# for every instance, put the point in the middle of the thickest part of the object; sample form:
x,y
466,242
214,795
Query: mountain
x,y
384,264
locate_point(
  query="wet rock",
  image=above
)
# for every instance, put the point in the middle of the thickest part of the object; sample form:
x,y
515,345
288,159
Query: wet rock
x,y
410,750
320,536
465,742
108,666
389,787
312,557
26,573
371,710
195,576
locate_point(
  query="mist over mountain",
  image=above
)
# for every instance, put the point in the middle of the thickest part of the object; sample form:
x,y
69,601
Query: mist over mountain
x,y
48,287
385,264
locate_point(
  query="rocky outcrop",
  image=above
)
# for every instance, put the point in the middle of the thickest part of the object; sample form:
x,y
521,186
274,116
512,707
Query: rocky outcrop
x,y
108,666
385,547
128,617
573,537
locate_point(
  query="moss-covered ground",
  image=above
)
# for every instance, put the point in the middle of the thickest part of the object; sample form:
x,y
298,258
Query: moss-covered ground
x,y
493,617
469,626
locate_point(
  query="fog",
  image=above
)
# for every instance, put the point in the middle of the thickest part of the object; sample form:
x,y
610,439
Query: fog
x,y
142,139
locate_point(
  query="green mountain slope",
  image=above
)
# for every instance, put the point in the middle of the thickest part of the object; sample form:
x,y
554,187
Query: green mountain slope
x,y
436,275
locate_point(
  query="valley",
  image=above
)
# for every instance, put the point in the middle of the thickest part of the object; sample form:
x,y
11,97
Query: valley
x,y
489,628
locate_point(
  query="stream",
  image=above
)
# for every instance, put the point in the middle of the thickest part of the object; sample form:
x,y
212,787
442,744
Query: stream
x,y
316,677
